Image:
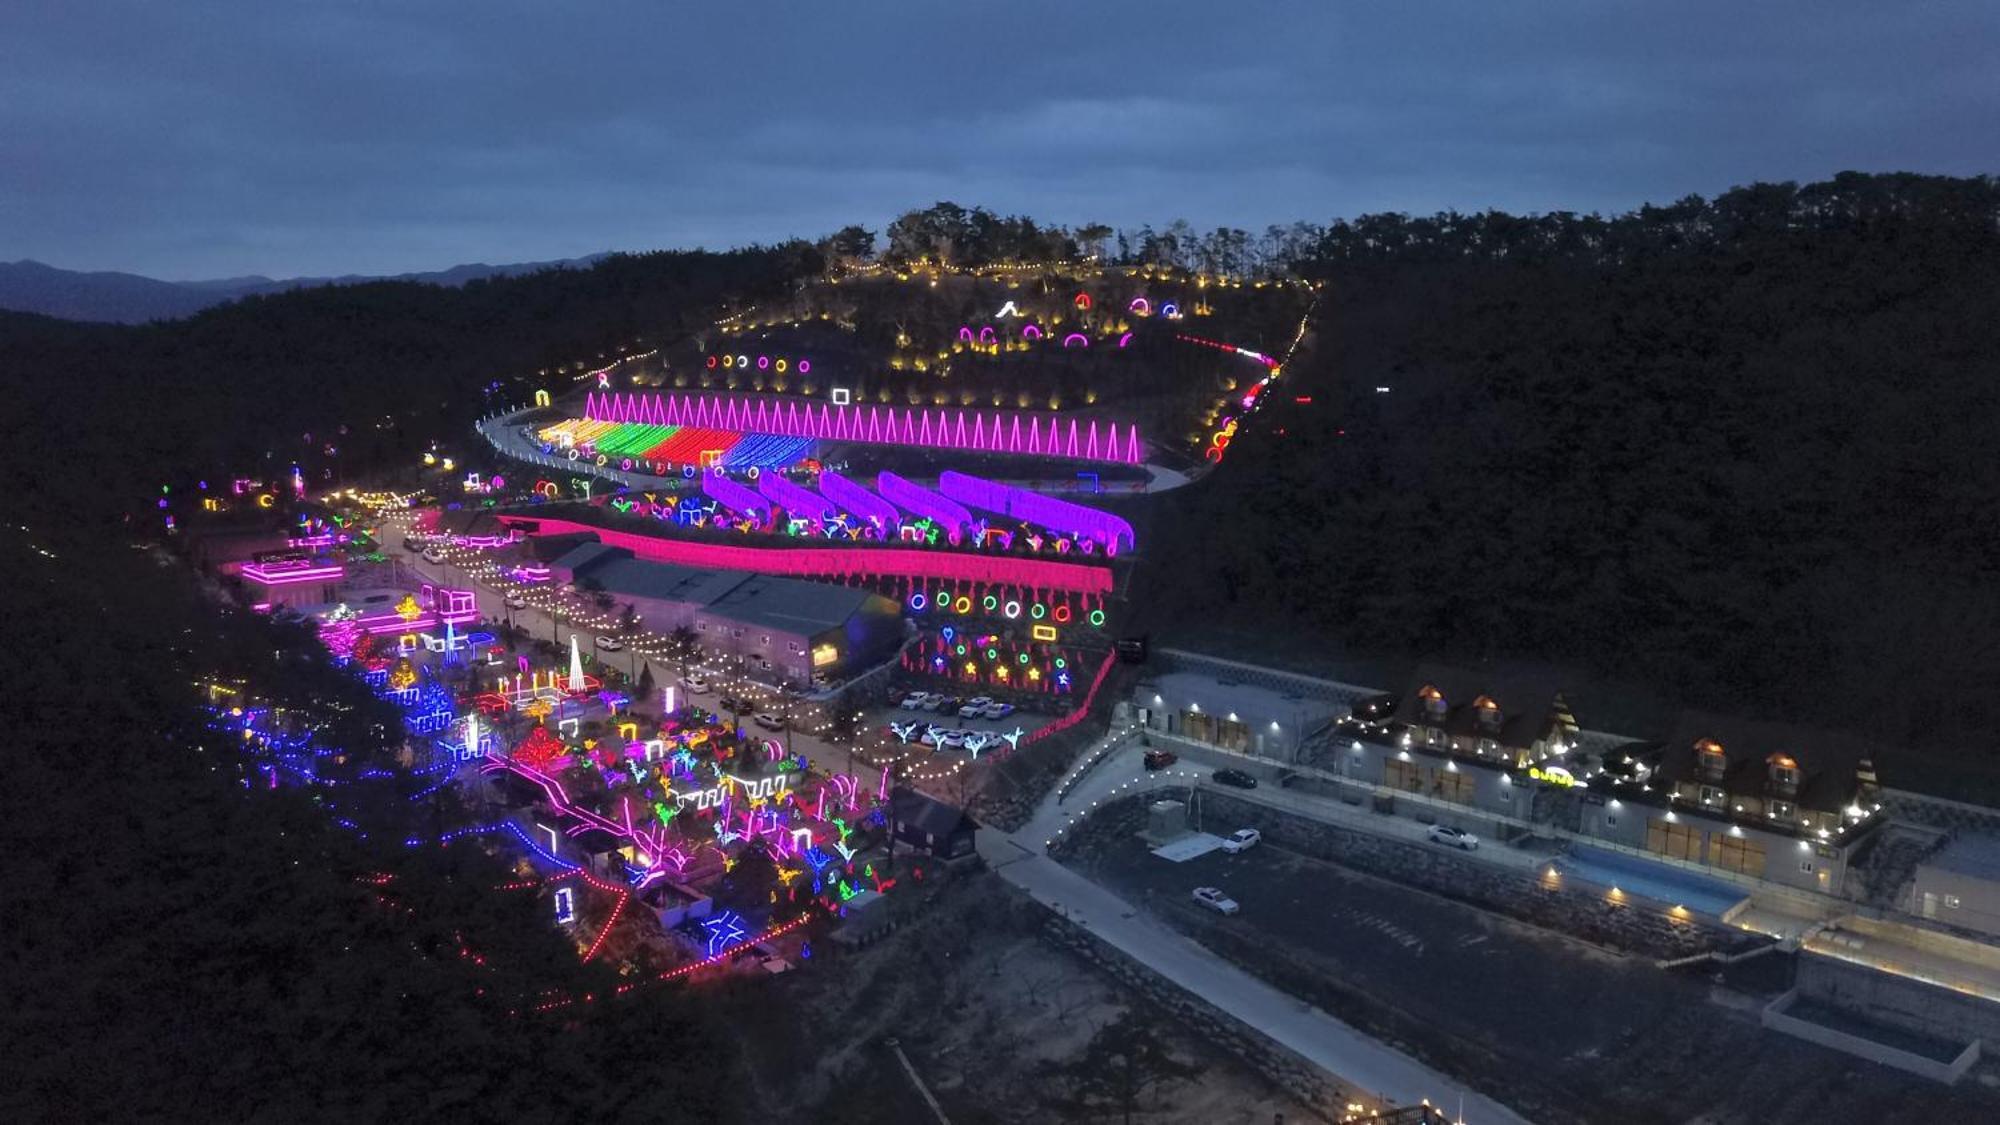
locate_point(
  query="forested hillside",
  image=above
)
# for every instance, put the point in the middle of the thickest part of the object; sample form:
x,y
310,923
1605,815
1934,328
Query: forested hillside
x,y
1740,451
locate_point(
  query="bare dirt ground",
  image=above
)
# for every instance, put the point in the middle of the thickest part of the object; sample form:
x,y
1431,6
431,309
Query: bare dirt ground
x,y
1562,1031
979,1002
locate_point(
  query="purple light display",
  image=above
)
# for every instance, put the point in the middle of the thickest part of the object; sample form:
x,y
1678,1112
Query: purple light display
x,y
920,501
1113,533
859,502
292,573
731,495
798,503
994,432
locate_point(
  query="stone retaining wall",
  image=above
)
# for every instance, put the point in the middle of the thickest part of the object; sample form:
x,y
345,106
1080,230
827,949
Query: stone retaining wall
x,y
1277,1063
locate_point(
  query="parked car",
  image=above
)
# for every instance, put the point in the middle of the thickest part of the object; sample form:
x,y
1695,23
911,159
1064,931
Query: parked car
x,y
1455,837
610,644
1214,899
1235,779
952,739
733,705
769,721
974,707
931,702
998,710
695,683
432,556
1242,840
516,601
1160,759
913,701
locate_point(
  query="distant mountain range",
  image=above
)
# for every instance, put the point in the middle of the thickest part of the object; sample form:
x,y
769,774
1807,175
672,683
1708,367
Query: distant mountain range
x,y
127,298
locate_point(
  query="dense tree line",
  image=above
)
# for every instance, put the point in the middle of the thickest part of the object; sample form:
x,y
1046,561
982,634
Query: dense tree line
x,y
1738,451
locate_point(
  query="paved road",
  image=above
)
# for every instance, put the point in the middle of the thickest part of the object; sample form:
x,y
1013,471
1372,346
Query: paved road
x,y
1353,1059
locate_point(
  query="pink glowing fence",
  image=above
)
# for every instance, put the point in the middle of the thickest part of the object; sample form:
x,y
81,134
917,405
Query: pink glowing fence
x,y
840,563
1000,431
1113,533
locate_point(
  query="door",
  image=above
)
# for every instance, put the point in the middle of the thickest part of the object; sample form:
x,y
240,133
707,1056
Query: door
x,y
1930,905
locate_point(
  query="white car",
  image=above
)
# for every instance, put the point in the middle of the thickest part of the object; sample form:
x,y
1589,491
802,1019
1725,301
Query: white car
x,y
694,684
1242,840
998,710
768,721
1455,837
1214,899
610,644
952,739
931,702
974,707
516,601
431,555
913,701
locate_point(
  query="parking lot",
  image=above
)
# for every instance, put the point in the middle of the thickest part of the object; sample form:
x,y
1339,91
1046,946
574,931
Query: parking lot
x,y
1560,1030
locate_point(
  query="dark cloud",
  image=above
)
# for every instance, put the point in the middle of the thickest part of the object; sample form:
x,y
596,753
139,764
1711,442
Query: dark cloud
x,y
328,136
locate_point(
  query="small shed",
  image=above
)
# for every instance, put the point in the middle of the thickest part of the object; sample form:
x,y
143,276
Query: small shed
x,y
931,826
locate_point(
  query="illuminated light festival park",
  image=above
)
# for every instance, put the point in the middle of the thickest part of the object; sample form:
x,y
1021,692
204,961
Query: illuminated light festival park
x,y
1488,621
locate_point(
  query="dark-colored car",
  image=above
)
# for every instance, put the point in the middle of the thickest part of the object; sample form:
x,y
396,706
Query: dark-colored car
x,y
1160,759
1234,778
734,705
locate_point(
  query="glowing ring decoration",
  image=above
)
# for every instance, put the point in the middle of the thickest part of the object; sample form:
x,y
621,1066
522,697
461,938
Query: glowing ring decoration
x,y
781,367
1062,614
961,650
1097,617
1024,658
804,367
754,472
1083,300
743,361
1090,546
990,603
1170,309
963,604
687,472
711,363
1061,663
1038,611
574,454
763,363
1077,336
264,500
1012,610
602,460
626,464
1125,339
729,361
992,654
1140,305
918,601
1030,332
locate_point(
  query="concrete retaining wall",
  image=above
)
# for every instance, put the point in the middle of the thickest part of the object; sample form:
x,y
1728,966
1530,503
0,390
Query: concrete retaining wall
x,y
1634,925
1775,1018
1898,1001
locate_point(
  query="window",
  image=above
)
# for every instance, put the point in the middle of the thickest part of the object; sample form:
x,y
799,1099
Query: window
x,y
767,638
1783,810
1951,902
1402,775
1806,867
701,626
1710,795
1610,820
795,647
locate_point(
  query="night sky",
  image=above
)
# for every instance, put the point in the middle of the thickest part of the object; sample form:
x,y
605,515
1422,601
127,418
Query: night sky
x,y
285,137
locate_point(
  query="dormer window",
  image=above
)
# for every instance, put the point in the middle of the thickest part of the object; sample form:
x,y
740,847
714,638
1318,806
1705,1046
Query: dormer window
x,y
1488,713
1710,759
1434,706
1784,772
